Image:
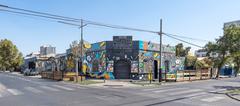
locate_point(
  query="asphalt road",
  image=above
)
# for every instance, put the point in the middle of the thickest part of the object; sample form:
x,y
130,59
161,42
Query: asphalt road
x,y
18,90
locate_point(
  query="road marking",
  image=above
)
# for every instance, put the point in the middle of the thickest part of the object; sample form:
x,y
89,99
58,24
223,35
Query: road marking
x,y
185,91
154,89
212,99
34,90
49,88
63,87
75,86
195,94
14,91
218,90
171,89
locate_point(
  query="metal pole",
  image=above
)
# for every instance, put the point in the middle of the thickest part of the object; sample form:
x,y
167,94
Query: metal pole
x,y
76,68
81,52
160,53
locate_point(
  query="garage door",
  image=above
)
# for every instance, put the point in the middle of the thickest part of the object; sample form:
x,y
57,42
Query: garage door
x,y
122,69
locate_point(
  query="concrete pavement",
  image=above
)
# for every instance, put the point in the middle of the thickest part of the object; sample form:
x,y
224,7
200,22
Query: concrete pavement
x,y
27,91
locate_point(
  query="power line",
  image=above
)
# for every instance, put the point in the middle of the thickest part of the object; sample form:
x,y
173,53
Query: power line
x,y
188,37
42,13
119,27
24,13
63,18
75,20
183,40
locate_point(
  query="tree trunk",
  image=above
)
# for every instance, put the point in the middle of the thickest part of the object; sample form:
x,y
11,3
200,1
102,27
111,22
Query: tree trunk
x,y
218,72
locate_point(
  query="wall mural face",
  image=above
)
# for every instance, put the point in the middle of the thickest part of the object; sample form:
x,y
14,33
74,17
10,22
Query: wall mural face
x,y
96,63
169,64
134,67
110,66
99,66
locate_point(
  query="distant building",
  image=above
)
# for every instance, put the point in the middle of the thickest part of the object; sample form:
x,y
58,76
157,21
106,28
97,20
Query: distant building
x,y
47,51
37,60
201,53
236,23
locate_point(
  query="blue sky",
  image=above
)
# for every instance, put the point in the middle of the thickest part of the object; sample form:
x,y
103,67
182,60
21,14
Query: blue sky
x,y
202,19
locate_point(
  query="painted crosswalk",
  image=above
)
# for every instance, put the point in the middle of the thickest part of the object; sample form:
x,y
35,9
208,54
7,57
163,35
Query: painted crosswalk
x,y
34,90
15,91
37,90
169,90
183,92
212,99
49,88
63,87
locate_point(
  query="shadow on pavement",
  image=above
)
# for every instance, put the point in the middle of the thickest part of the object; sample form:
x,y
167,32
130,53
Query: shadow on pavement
x,y
227,87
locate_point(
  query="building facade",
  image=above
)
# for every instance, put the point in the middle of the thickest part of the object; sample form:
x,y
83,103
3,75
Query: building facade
x,y
236,23
124,58
47,51
38,61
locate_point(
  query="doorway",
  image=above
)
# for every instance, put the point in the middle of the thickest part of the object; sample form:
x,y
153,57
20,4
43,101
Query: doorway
x,y
122,69
166,63
155,69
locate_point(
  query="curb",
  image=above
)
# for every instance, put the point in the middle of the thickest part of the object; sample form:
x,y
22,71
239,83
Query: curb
x,y
2,88
232,97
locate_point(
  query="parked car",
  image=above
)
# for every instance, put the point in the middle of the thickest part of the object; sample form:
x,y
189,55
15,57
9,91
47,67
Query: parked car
x,y
26,72
33,72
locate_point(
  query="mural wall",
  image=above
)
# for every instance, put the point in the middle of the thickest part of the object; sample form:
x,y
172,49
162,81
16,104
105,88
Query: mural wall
x,y
170,63
96,62
98,65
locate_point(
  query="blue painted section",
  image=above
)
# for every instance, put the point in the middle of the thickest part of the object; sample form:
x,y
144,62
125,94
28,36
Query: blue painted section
x,y
227,72
141,44
95,46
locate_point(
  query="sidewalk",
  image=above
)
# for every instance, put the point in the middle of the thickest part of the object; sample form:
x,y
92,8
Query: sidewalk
x,y
2,87
115,83
19,74
234,96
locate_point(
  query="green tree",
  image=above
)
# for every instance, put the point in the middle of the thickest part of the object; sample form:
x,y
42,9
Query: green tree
x,y
220,49
10,57
190,62
232,34
204,63
226,48
181,51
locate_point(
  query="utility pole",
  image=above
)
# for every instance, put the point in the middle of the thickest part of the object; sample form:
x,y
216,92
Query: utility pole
x,y
81,52
160,53
76,68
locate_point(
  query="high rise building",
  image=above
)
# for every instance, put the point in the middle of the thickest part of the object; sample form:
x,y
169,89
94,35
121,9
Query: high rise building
x,y
236,23
47,51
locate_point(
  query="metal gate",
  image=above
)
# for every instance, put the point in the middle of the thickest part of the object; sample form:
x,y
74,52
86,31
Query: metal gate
x,y
122,69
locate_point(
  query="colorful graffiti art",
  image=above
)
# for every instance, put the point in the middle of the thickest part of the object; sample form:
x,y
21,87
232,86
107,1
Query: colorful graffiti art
x,y
101,75
134,67
110,66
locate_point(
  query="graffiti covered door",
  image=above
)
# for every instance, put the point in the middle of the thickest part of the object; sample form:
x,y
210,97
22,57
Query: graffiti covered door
x,y
122,69
167,66
155,69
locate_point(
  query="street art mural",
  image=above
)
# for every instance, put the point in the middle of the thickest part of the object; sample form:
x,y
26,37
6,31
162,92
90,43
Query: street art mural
x,y
170,63
134,67
96,62
110,66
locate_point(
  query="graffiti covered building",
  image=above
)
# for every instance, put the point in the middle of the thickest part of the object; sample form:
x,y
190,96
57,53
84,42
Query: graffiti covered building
x,y
124,58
